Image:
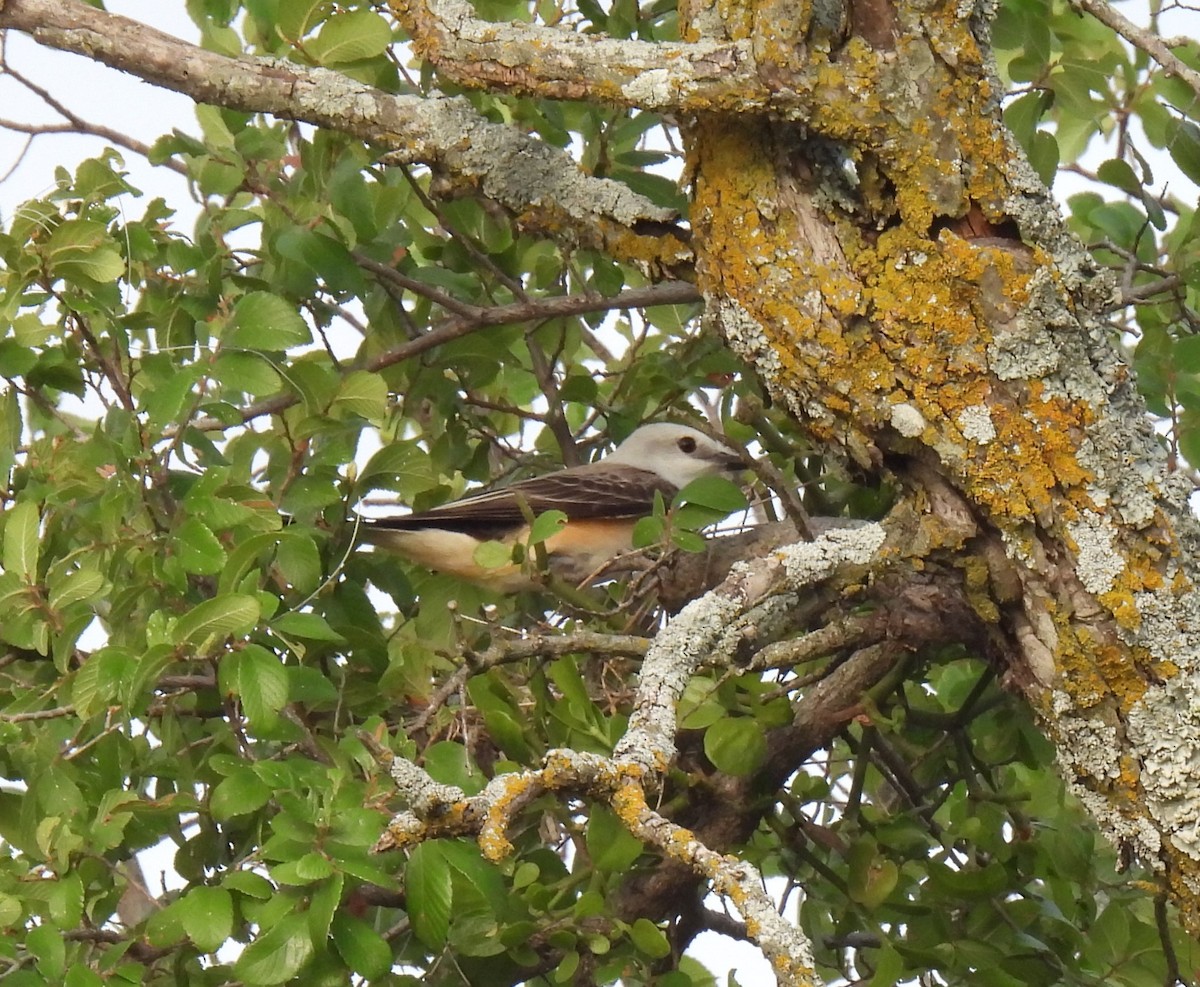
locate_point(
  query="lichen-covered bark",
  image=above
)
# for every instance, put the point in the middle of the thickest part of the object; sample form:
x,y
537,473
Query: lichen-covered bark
x,y
540,185
709,628
905,285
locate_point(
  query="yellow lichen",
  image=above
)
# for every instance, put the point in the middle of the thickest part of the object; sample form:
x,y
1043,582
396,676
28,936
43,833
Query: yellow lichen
x,y
1093,669
977,582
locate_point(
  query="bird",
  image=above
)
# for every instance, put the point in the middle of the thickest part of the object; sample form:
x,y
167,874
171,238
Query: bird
x,y
602,502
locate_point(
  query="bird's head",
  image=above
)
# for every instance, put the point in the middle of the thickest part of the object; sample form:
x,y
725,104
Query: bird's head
x,y
677,453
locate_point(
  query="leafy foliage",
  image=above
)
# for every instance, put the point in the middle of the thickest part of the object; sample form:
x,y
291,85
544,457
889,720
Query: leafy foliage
x,y
182,670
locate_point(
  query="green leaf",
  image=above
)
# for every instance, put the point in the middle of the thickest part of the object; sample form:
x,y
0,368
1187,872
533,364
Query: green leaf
x,y
873,876
450,764
258,679
403,466
10,910
82,976
198,549
714,492
75,587
311,626
66,899
298,561
649,938
1184,147
46,944
429,891
323,902
81,249
350,37
15,360
1024,114
610,845
363,394
1119,220
262,321
1119,174
1111,931
243,557
278,955
311,687
21,540
363,949
649,531
233,613
317,256
1189,441
240,793
295,18
149,665
1186,352
11,428
689,541
889,966
493,555
248,883
736,745
251,373
1044,156
565,971
99,680
581,388
698,706
546,526
482,875
207,917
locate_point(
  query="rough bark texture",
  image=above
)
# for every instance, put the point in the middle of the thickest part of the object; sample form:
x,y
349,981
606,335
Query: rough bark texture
x,y
540,184
905,285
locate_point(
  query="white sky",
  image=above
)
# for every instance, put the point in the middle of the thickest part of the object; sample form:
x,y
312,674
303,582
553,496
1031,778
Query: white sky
x,y
99,95
104,96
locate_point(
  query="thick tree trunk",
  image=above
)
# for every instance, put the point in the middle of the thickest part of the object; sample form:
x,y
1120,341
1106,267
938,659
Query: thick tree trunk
x,y
902,281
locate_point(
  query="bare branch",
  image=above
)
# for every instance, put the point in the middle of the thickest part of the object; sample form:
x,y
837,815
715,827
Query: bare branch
x,y
76,124
38,714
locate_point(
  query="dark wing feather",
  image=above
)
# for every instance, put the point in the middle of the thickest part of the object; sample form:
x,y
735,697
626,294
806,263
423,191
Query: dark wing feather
x,y
582,493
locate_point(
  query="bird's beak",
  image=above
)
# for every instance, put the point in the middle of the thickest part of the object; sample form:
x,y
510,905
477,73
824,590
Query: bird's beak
x,y
729,462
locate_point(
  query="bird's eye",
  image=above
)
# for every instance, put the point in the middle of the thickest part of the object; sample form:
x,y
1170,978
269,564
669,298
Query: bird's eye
x,y
687,444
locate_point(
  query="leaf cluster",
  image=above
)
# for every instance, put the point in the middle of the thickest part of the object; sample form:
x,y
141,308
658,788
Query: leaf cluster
x,y
198,668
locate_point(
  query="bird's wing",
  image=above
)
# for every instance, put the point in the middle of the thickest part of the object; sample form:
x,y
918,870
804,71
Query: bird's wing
x,y
591,492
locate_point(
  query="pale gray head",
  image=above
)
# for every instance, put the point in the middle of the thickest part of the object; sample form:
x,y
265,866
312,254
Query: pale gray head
x,y
677,453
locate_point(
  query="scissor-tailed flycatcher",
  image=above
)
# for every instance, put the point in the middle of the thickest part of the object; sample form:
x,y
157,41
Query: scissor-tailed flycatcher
x,y
602,502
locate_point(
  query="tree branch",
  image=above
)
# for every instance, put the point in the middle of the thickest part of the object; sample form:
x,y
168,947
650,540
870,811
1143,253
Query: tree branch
x,y
664,293
710,626
75,124
557,64
541,184
1157,48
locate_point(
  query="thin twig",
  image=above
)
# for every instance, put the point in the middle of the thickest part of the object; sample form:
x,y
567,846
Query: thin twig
x,y
664,293
473,663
